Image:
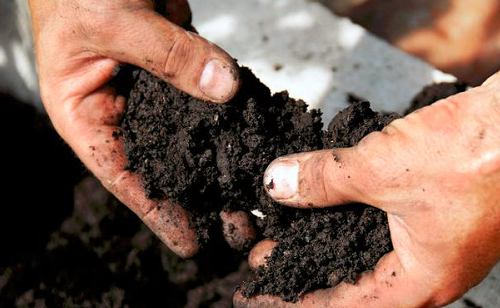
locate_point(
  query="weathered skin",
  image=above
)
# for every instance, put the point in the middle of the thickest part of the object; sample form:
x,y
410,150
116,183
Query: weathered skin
x,y
260,252
237,229
436,173
79,43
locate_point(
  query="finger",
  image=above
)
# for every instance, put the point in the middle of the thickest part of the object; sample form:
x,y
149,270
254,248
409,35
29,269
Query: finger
x,y
259,254
169,221
317,179
237,229
388,286
189,62
92,134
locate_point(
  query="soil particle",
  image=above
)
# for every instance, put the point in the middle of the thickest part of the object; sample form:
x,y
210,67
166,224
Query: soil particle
x,y
471,304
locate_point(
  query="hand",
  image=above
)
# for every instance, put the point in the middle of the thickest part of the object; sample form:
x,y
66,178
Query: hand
x,y
78,45
436,173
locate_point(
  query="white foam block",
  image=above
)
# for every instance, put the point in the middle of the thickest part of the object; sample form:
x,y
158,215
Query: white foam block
x,y
300,46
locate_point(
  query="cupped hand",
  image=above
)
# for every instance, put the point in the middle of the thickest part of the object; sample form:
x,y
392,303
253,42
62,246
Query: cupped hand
x,y
79,43
436,173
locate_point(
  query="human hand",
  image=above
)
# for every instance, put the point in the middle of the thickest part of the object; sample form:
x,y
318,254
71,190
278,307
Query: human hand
x,y
78,45
436,173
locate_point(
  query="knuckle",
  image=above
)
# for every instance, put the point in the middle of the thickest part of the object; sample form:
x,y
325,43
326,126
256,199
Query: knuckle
x,y
393,127
177,55
368,150
377,164
314,176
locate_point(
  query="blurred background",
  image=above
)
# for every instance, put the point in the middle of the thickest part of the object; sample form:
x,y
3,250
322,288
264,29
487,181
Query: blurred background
x,y
460,37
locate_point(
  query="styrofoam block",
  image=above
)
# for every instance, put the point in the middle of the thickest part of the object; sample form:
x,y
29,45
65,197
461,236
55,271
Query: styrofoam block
x,y
300,46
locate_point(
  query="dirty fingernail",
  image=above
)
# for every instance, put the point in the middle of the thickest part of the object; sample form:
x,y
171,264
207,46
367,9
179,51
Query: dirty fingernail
x,y
281,179
218,81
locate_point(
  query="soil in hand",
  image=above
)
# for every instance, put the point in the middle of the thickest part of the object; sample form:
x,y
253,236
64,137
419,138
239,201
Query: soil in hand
x,y
211,158
88,250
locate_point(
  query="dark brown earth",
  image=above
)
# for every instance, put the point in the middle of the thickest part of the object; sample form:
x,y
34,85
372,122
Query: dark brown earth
x,y
434,92
67,242
212,157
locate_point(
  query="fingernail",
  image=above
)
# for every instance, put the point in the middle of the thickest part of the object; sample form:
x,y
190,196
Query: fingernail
x,y
218,81
281,179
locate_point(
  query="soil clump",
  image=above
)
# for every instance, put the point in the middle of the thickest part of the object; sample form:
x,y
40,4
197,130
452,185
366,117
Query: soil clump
x,y
211,158
434,92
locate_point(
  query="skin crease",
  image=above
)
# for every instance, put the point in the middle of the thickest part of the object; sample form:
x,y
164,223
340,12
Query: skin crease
x,y
436,173
78,44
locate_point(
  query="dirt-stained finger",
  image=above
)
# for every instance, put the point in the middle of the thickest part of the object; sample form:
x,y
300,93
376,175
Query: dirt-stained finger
x,y
182,58
100,147
260,252
267,301
314,179
237,229
176,228
169,221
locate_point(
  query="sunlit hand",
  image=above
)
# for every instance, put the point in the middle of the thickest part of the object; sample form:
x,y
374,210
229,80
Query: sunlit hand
x,y
78,45
436,173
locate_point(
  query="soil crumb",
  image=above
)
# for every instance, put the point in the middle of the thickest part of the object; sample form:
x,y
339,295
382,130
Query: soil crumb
x,y
470,303
434,92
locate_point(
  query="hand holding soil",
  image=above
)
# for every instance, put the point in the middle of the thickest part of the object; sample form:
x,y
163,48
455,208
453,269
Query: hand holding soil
x,y
78,46
436,173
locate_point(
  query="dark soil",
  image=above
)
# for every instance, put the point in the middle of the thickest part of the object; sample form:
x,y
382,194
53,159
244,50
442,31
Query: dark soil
x,y
67,242
212,157
434,92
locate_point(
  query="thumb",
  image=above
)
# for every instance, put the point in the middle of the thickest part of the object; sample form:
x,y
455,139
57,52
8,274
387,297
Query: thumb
x,y
184,59
318,179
